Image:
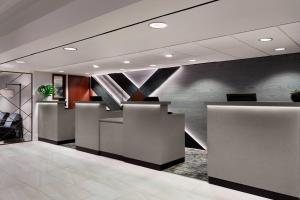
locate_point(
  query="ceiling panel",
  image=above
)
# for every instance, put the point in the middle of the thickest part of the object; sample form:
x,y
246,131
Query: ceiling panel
x,y
216,32
293,31
193,49
221,43
5,5
231,46
17,13
280,40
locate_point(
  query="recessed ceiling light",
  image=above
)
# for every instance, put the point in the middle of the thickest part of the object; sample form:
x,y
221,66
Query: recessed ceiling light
x,y
152,65
70,48
280,49
96,66
192,60
61,71
87,73
169,56
126,62
20,61
158,25
265,39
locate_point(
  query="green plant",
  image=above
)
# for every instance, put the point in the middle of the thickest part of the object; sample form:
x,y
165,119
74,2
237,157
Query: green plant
x,y
296,91
295,95
46,90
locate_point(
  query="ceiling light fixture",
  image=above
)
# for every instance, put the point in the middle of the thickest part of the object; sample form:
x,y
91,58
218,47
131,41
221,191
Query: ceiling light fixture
x,y
87,73
265,39
20,61
61,71
126,62
96,66
152,65
280,49
70,48
192,60
158,25
169,56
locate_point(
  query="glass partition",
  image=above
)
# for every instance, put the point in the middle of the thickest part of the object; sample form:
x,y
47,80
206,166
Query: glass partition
x,y
15,107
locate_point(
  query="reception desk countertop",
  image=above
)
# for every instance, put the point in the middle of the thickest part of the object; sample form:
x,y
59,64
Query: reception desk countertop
x,y
47,102
252,103
92,102
118,120
148,102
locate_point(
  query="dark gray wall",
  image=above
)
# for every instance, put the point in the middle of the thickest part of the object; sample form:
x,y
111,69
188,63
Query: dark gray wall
x,y
271,78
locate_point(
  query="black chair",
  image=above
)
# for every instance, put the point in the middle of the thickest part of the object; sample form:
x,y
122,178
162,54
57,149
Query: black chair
x,y
12,128
96,98
3,117
242,97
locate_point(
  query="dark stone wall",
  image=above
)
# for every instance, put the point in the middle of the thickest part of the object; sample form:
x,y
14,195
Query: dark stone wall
x,y
191,86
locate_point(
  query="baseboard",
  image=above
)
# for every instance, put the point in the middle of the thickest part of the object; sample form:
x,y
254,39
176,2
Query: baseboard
x,y
142,163
87,150
47,140
172,163
250,189
111,155
56,142
66,141
152,165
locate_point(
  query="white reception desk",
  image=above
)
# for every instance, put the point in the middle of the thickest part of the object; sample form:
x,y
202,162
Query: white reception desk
x,y
147,135
255,147
56,124
87,115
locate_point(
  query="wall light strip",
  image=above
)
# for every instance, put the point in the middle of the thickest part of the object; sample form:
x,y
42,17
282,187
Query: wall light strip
x,y
194,138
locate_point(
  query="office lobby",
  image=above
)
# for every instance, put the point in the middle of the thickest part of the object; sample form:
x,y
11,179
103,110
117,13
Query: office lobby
x,y
149,100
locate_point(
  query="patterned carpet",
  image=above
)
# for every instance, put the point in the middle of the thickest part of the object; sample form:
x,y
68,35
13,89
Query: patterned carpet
x,y
195,165
70,145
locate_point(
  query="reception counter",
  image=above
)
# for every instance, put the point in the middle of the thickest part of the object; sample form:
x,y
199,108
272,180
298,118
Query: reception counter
x,y
111,137
87,115
56,124
147,135
255,147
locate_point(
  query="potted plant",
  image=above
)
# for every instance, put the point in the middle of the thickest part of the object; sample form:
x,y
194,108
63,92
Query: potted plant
x,y
295,95
47,91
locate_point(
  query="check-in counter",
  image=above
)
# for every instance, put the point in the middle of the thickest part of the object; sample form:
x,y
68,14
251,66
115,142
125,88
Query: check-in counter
x,y
87,115
111,137
56,124
150,136
255,147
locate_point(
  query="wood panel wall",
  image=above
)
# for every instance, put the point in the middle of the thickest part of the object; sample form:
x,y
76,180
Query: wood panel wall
x,y
79,89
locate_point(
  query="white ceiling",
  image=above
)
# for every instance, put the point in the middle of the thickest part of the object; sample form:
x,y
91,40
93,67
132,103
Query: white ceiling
x,y
17,13
225,30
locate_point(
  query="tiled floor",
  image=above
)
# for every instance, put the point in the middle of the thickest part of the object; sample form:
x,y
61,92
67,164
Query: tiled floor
x,y
41,171
195,165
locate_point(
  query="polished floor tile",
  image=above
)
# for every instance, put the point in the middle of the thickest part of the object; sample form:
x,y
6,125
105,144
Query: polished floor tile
x,y
41,171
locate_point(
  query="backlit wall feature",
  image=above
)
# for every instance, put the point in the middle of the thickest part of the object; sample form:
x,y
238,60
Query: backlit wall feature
x,y
114,90
99,90
139,77
272,78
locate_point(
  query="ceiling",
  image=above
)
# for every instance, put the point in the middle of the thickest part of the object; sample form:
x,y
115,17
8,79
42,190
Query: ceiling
x,y
17,13
223,30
